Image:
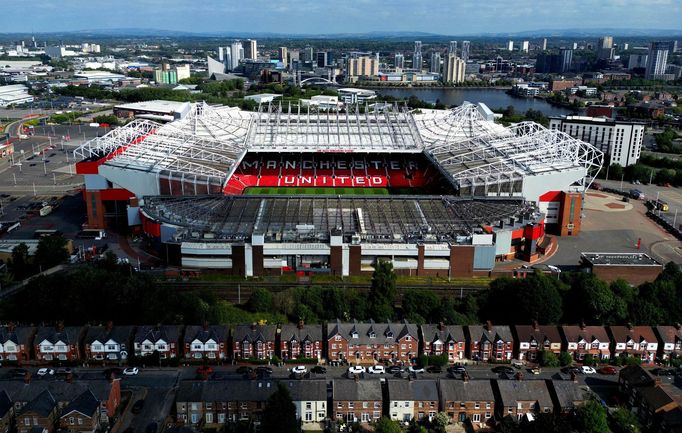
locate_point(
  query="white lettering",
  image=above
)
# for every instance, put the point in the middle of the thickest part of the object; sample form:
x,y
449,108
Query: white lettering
x,y
289,164
360,180
289,180
395,165
359,164
307,165
306,179
342,179
324,165
341,164
271,164
412,165
376,164
246,164
376,180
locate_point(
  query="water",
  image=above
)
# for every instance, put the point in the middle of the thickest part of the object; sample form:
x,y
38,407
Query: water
x,y
493,98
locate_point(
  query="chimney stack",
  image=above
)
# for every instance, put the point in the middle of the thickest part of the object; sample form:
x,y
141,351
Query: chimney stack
x,y
253,326
489,325
60,326
27,378
536,325
205,325
582,325
11,326
300,324
69,378
110,325
677,325
574,377
441,326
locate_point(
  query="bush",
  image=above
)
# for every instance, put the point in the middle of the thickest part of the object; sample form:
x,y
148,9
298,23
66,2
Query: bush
x,y
565,359
547,358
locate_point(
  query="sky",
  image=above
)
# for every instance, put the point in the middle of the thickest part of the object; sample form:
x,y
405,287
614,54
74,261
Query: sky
x,y
445,17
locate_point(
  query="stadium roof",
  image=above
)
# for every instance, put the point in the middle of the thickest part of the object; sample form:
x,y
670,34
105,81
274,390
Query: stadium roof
x,y
210,141
314,218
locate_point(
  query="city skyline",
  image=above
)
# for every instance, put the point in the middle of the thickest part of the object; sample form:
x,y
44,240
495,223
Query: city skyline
x,y
467,17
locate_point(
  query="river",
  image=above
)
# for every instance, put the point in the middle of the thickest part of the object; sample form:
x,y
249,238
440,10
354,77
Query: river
x,y
493,98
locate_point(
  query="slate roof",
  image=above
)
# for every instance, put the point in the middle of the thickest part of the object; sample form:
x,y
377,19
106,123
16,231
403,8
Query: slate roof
x,y
382,331
622,334
414,390
567,393
657,396
472,390
18,335
307,332
669,334
228,390
63,391
167,333
68,334
254,333
539,333
119,334
5,403
362,390
307,390
514,391
86,404
635,375
453,333
497,332
575,333
42,405
217,333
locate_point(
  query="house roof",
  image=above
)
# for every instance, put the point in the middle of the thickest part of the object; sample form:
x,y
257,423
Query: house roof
x,y
119,334
635,375
86,404
669,334
636,333
383,332
656,397
472,390
17,335
445,334
350,390
217,333
495,333
538,333
415,390
167,333
567,393
63,391
306,332
254,333
307,390
5,403
514,391
42,405
229,390
68,334
575,333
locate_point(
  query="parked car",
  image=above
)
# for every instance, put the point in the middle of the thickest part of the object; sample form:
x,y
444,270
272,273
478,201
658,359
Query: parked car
x,y
45,372
244,369
356,369
459,369
665,372
264,369
131,371
535,370
503,369
63,371
415,369
608,370
204,370
318,369
434,369
394,369
137,407
299,369
18,372
376,369
113,370
586,369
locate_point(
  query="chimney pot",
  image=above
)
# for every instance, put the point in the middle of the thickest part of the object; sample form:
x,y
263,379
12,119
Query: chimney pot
x,y
489,325
110,325
27,377
441,326
301,323
536,325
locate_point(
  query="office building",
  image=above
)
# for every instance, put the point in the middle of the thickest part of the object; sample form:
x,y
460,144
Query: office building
x,y
323,59
362,66
554,63
605,42
308,54
466,46
626,46
566,59
673,47
435,63
637,61
399,61
237,54
510,46
282,54
221,54
525,46
544,44
452,47
417,56
622,141
657,60
605,49
215,66
251,50
453,69
14,94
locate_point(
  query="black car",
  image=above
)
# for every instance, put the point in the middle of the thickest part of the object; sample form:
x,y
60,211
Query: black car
x,y
264,369
503,369
19,372
664,372
394,369
434,369
457,369
137,407
118,372
318,369
244,370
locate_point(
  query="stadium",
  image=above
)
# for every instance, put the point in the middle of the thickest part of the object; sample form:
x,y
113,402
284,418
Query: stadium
x,y
437,192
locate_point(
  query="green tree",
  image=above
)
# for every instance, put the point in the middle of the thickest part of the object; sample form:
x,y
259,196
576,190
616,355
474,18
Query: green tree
x,y
385,425
440,422
548,358
19,263
382,292
109,119
260,301
280,412
565,359
624,421
589,360
51,251
591,418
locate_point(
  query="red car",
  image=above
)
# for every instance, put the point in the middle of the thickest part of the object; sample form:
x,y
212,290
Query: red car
x,y
608,370
204,370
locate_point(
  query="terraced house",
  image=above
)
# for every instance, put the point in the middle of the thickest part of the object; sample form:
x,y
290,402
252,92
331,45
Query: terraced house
x,y
161,339
58,343
107,343
531,339
357,400
300,340
15,343
490,342
471,400
438,339
669,341
584,340
413,399
254,341
637,341
206,342
368,343
519,398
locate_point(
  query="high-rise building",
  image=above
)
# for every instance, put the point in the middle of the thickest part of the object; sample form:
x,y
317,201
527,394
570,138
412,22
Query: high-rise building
x,y
435,63
510,46
322,59
466,46
236,54
453,69
605,42
626,46
452,47
362,65
544,44
308,54
417,56
566,59
657,60
673,47
251,50
182,71
637,61
399,61
575,45
554,63
221,54
525,46
605,49
282,53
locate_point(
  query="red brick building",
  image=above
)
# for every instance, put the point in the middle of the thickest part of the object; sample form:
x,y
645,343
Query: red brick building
x,y
490,343
368,343
254,341
300,341
438,339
